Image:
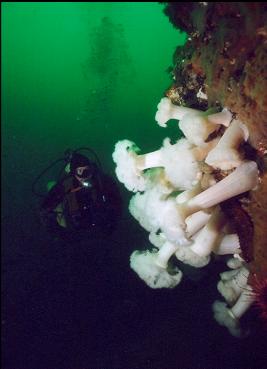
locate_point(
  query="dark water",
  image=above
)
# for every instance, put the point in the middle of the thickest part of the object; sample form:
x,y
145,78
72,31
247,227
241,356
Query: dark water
x,y
90,74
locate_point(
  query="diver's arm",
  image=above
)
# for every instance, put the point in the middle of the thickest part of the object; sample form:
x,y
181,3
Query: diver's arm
x,y
112,195
54,197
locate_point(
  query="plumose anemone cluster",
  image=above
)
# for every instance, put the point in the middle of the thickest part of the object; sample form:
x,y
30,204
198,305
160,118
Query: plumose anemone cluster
x,y
177,197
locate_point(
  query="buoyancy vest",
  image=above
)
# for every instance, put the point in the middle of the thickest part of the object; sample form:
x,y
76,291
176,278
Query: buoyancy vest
x,y
70,200
80,205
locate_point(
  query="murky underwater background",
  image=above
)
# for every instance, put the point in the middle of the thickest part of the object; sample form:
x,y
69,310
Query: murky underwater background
x,y
87,75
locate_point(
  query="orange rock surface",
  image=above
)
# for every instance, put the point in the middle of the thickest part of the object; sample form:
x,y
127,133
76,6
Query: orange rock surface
x,y
226,57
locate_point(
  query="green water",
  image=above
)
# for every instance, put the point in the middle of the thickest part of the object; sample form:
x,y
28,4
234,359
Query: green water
x,y
80,74
90,74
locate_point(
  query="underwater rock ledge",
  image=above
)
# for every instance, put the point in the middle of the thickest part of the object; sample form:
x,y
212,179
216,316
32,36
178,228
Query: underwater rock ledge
x,y
224,64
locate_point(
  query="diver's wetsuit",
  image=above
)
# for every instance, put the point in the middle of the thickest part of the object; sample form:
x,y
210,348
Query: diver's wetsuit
x,y
84,208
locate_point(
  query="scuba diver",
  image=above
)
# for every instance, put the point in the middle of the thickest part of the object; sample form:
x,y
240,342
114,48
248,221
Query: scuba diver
x,y
84,199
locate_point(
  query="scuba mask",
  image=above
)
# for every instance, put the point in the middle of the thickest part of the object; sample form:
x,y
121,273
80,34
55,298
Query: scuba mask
x,y
84,175
84,172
